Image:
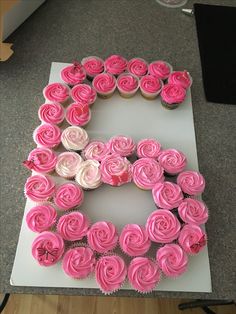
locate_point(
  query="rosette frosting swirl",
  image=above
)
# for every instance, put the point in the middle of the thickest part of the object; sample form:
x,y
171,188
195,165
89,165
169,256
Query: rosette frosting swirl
x,y
127,83
160,69
192,239
56,92
172,160
104,83
115,64
68,196
181,78
51,113
40,218
167,195
149,148
74,138
68,164
173,94
78,114
150,84
73,74
39,188
83,93
191,182
96,150
137,66
89,175
47,135
193,211
41,160
93,65
121,145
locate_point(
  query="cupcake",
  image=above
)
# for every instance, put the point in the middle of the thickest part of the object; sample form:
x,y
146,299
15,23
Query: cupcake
x,y
148,148
193,211
116,170
96,150
73,74
78,114
68,196
104,84
47,135
41,218
88,175
78,262
172,96
51,113
102,236
68,164
74,138
39,188
167,195
191,182
121,145
181,78
162,226
160,69
127,84
138,67
110,273
150,86
42,160
146,173
143,274
93,66
192,239
172,260
73,226
83,93
173,161
134,240
48,248
56,92
115,64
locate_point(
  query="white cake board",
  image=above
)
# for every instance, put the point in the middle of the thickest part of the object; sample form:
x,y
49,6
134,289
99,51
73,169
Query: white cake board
x,y
138,118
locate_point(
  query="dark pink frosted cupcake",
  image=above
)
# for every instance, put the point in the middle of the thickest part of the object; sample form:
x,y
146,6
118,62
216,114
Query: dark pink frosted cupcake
x,y
160,69
167,195
39,188
138,67
172,96
115,64
173,161
148,148
51,113
104,84
192,239
191,182
181,78
150,86
68,196
56,92
93,66
73,74
47,135
127,84
41,218
78,114
193,211
83,93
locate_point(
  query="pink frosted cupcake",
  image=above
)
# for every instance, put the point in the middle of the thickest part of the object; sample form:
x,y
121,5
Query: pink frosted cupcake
x,y
83,93
160,69
89,175
102,236
138,67
191,182
41,218
78,114
79,262
143,274
48,248
104,84
193,211
110,273
150,86
172,260
115,64
68,196
148,148
42,160
96,150
121,145
172,96
93,66
162,226
134,240
116,170
73,226
127,84
68,164
167,195
73,74
47,135
173,161
147,172
56,92
39,188
181,78
51,113
192,239
74,138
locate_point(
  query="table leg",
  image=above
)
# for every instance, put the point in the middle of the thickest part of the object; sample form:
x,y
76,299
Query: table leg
x,y
4,301
204,305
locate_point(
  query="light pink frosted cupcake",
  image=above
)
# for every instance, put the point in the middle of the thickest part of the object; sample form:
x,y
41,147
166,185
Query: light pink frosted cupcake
x,y
121,145
147,172
138,67
115,64
68,164
56,92
116,170
143,274
47,135
88,175
150,86
73,74
162,226
39,188
93,66
102,236
172,260
42,160
78,114
51,113
83,93
96,150
160,69
104,84
148,148
110,273
127,84
191,182
192,239
167,195
48,248
172,96
41,218
74,138
134,240
172,160
79,262
181,78
68,196
73,226
193,211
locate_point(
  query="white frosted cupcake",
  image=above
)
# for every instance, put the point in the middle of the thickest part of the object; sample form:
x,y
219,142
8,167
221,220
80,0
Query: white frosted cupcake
x,y
88,175
68,164
74,138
